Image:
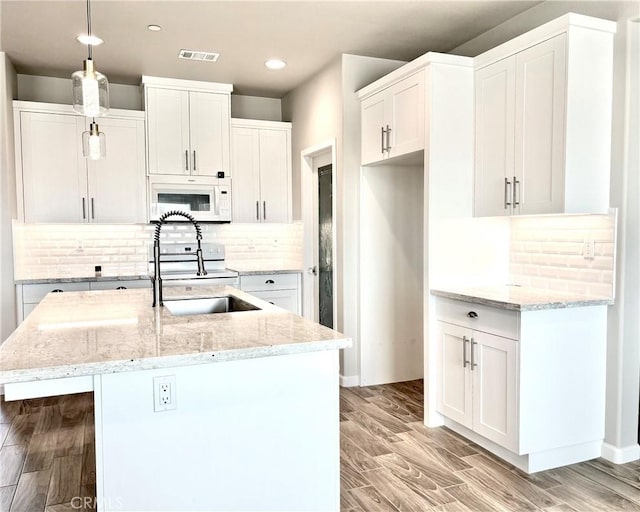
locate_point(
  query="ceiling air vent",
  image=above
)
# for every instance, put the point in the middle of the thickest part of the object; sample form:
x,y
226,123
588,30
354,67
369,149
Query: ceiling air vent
x,y
194,55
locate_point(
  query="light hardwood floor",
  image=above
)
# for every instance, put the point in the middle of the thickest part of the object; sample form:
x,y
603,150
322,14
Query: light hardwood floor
x,y
389,462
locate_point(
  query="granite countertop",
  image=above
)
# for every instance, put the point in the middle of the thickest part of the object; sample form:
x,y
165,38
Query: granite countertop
x,y
81,279
248,269
519,298
99,332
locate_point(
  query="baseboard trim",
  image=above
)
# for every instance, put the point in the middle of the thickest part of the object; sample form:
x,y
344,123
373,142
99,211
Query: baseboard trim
x,y
349,381
620,455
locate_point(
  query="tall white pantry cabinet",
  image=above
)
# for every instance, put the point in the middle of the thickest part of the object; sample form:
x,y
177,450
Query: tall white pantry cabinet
x,y
543,120
56,183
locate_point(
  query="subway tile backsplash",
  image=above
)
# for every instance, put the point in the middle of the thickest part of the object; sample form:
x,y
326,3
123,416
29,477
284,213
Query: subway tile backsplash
x,y
73,250
547,252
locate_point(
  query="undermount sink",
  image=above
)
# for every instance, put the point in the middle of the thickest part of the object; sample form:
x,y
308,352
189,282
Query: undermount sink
x,y
226,304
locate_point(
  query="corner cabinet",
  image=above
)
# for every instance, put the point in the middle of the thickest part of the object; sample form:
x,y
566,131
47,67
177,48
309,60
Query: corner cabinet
x,y
261,169
56,183
528,385
543,120
392,119
187,126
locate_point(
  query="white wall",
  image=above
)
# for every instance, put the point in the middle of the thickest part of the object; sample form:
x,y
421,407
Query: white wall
x,y
129,97
623,372
7,197
326,107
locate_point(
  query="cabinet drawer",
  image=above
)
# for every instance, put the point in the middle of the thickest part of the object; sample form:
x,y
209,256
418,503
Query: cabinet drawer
x,y
114,285
269,282
33,293
501,322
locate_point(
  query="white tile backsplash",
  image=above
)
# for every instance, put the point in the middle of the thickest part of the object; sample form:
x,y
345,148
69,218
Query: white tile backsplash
x,y
546,252
73,250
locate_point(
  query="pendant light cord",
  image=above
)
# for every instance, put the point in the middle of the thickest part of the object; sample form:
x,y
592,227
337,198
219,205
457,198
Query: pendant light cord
x,y
89,28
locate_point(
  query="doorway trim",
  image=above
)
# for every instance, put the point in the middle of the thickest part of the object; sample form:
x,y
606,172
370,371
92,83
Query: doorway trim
x,y
307,155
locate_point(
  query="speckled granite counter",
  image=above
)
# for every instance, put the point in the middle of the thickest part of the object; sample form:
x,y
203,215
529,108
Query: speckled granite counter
x,y
519,298
101,332
249,269
77,279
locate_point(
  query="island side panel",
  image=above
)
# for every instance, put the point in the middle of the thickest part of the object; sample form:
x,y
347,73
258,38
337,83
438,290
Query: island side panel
x,y
254,434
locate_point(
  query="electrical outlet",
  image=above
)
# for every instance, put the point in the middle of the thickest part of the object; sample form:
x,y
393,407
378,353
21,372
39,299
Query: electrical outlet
x,y
589,249
164,393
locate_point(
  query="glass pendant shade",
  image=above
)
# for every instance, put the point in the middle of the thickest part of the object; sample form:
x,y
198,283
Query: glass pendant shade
x,y
90,91
94,144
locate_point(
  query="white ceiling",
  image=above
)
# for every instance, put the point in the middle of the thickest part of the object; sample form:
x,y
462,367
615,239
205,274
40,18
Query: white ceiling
x,y
39,36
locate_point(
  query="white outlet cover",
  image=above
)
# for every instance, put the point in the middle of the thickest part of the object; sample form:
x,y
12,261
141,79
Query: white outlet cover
x,y
164,393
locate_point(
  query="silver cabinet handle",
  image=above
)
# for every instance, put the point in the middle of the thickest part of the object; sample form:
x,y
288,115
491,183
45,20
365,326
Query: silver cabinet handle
x,y
264,210
121,288
57,290
257,210
269,281
194,159
506,193
473,354
388,138
515,188
464,351
84,208
382,132
472,314
186,160
93,210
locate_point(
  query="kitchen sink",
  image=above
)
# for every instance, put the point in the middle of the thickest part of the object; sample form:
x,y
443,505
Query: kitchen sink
x,y
226,304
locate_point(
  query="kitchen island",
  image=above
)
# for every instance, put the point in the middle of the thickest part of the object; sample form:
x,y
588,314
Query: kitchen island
x,y
224,411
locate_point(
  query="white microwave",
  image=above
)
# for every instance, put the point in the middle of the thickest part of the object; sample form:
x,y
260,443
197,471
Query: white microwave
x,y
208,199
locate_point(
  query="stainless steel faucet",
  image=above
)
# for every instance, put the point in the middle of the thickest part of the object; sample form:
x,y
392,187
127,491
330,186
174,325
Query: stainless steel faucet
x,y
157,278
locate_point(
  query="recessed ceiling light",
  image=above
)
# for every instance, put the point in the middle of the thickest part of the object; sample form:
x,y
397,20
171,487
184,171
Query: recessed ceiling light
x,y
154,28
89,40
275,64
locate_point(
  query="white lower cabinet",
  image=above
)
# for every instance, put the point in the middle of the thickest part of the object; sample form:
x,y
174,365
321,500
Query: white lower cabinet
x,y
528,385
28,296
282,290
478,382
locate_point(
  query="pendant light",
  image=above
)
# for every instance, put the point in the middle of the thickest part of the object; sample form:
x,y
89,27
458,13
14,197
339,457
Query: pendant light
x,y
94,142
90,88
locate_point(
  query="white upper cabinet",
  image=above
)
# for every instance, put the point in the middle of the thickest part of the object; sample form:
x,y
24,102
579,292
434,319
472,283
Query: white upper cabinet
x,y
261,167
393,120
56,183
187,126
543,120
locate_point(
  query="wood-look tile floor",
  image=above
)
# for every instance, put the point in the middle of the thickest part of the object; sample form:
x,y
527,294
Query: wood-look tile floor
x,y
389,462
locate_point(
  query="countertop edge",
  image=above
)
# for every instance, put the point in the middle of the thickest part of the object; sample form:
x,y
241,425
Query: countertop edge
x,y
129,365
247,272
87,279
513,306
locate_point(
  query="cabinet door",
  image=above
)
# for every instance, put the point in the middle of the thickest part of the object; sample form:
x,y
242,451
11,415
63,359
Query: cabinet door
x,y
275,181
539,127
495,388
406,116
494,135
372,126
117,182
245,187
209,133
454,383
167,131
285,299
54,172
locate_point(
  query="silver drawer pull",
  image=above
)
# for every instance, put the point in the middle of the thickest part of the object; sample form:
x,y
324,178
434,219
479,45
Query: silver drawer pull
x,y
121,288
57,290
269,281
472,314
